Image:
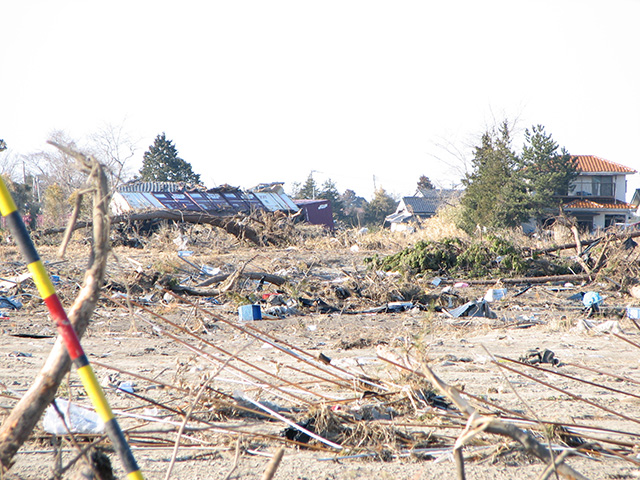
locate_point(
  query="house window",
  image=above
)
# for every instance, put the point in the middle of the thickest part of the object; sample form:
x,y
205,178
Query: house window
x,y
610,220
602,186
585,222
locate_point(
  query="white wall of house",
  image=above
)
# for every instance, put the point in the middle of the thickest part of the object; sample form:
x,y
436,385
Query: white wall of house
x,y
598,221
621,187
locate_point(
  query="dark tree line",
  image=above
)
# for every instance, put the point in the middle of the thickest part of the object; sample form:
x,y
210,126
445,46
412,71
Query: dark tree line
x,y
348,208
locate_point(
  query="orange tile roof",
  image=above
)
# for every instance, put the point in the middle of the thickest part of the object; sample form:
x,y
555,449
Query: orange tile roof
x,y
593,164
588,204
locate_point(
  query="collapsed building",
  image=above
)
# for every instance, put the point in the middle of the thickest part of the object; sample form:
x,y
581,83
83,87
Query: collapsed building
x,y
225,200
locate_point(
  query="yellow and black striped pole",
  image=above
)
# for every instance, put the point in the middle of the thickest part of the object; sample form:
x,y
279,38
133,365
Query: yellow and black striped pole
x,y
65,329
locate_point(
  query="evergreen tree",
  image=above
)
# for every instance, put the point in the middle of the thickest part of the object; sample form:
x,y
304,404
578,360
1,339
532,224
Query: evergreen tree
x,y
162,164
308,190
424,183
381,205
353,208
329,191
495,194
548,171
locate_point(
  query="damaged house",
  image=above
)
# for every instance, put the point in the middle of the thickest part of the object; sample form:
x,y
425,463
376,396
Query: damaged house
x,y
424,204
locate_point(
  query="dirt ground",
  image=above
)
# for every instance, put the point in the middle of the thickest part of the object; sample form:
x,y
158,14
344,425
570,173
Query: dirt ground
x,y
382,428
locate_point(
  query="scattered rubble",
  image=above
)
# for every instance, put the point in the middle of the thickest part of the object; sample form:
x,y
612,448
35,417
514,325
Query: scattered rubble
x,y
246,381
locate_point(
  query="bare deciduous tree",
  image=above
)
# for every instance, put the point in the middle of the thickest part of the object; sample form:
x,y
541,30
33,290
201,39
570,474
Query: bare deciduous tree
x,y
115,148
10,164
53,167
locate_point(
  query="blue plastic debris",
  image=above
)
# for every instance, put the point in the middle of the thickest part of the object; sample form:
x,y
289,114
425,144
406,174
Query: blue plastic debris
x,y
250,312
12,303
591,299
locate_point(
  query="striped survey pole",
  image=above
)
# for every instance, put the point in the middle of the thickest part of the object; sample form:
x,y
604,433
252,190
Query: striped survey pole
x,y
65,329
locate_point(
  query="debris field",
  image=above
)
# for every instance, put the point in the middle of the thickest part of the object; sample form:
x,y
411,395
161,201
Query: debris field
x,y
218,357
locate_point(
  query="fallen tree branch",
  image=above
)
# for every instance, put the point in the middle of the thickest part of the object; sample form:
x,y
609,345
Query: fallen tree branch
x,y
273,465
20,423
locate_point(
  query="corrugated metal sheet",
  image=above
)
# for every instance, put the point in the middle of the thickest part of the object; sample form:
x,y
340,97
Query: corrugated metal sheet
x,y
593,164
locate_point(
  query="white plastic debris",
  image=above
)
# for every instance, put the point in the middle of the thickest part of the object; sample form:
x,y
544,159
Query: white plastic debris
x,y
77,418
211,270
633,313
181,241
495,294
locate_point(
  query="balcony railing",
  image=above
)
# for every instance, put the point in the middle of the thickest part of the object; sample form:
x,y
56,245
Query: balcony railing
x,y
591,189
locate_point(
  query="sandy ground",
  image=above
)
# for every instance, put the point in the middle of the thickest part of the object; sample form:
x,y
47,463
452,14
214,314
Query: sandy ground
x,y
459,350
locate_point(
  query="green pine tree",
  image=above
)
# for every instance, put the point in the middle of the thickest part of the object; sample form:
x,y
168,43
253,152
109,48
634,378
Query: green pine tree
x,y
381,205
329,191
424,183
162,164
495,194
308,190
549,171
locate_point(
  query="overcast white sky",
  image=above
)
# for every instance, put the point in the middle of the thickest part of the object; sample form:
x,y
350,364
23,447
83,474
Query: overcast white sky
x,y
358,91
